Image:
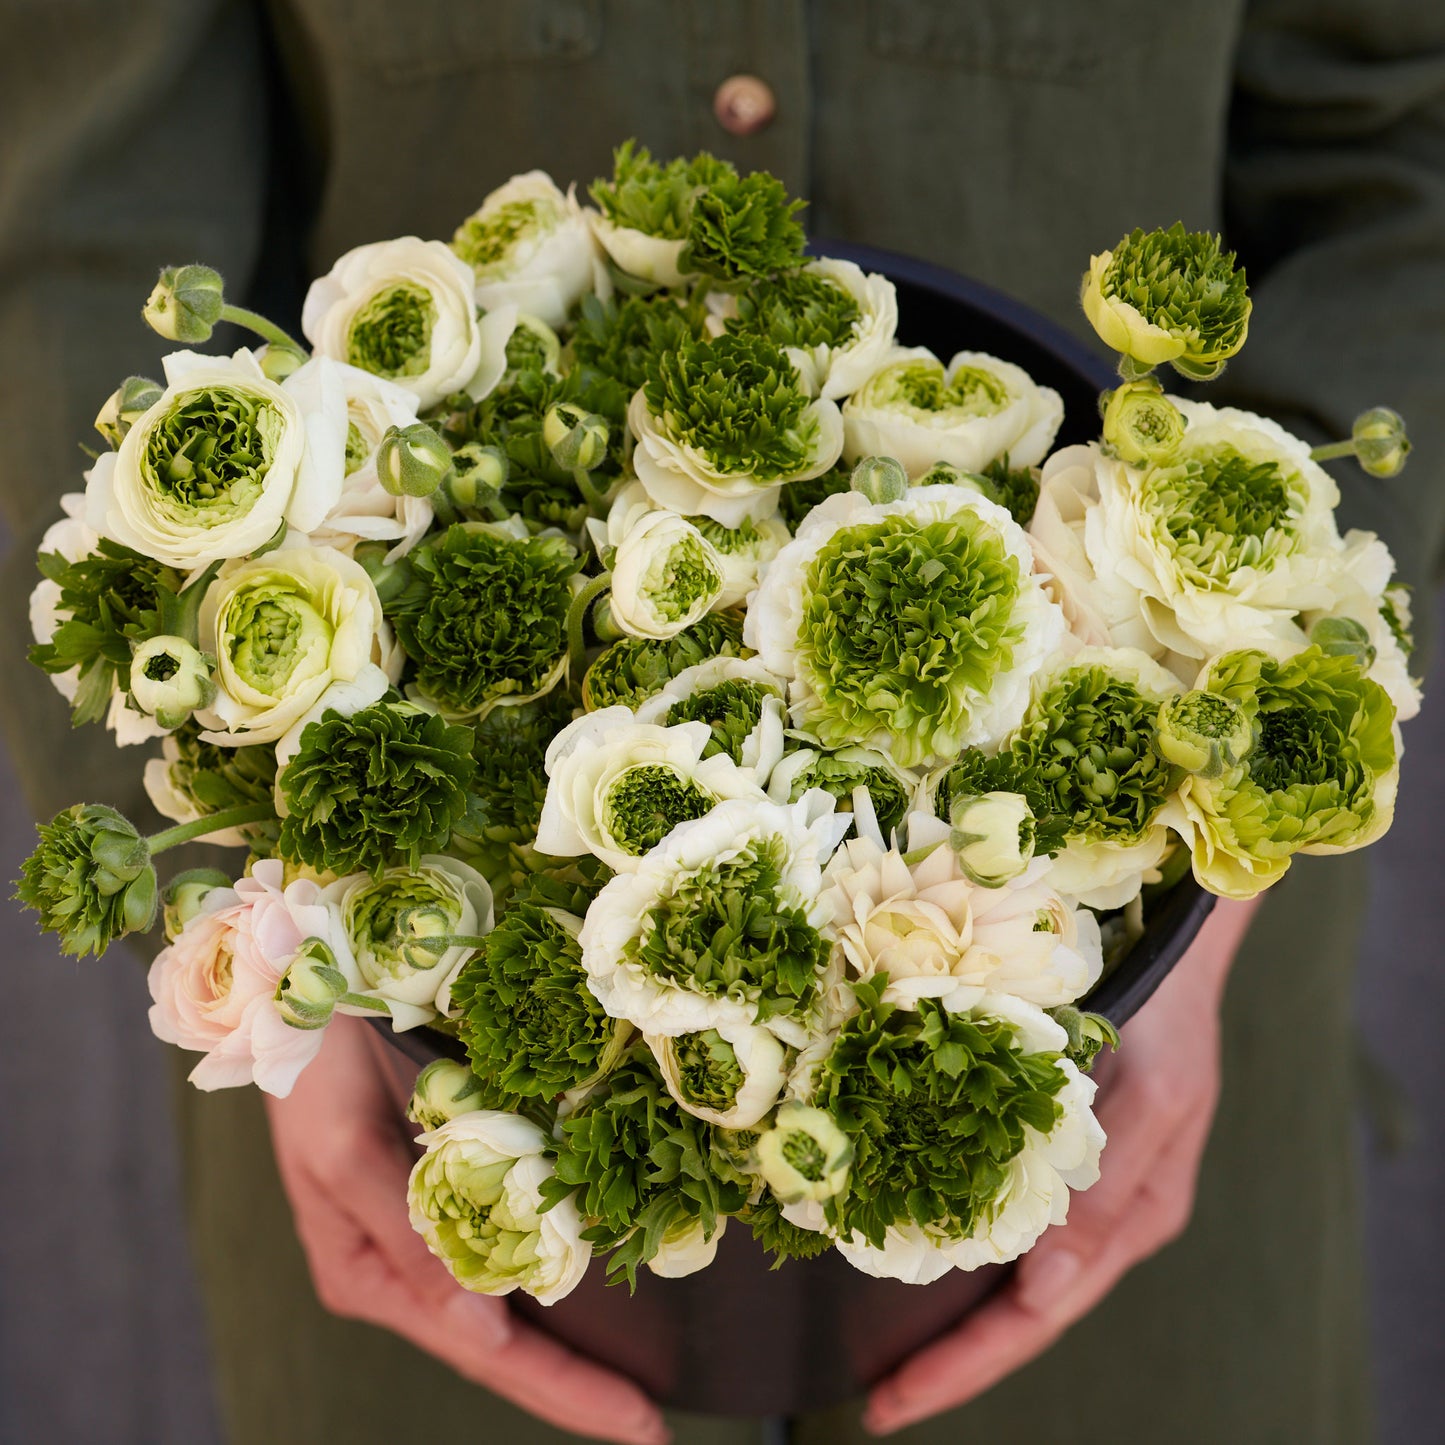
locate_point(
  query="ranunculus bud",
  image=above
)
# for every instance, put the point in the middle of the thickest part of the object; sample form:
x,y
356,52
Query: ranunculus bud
x,y
186,303
389,578
183,897
1204,733
170,679
443,1090
412,461
578,439
1088,1033
1381,444
309,989
1141,424
125,406
992,836
805,1155
1344,637
880,479
477,477
278,360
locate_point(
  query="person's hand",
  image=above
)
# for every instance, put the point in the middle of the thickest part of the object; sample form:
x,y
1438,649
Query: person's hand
x,y
1156,1103
344,1154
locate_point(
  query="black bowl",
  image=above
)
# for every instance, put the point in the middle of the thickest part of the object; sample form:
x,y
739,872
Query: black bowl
x,y
739,1338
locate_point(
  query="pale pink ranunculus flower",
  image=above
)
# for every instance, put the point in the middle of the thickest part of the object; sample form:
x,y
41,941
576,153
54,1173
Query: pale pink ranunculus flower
x,y
214,987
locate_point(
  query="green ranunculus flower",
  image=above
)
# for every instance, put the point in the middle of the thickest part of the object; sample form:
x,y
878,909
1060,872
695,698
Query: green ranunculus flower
x,y
797,308
1320,776
841,772
635,668
486,617
624,337
743,228
387,783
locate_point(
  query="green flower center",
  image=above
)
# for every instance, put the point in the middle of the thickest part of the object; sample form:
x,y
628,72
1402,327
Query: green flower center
x,y
678,579
922,387
486,243
732,710
731,929
162,667
738,402
357,448
904,625
646,803
803,1153
736,541
1292,748
708,1070
207,459
271,634
634,668
839,777
388,919
390,335
799,309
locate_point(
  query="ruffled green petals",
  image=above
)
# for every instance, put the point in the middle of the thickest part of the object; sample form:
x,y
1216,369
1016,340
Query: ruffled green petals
x,y
651,196
647,802
382,786
1204,733
390,334
743,228
920,387
732,708
486,616
624,338
635,668
488,240
841,773
800,308
392,920
709,1075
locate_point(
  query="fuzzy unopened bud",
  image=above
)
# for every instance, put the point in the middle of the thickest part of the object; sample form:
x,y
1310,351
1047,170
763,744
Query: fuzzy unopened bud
x,y
1381,444
577,439
308,992
185,304
412,461
278,360
1141,424
880,479
125,406
185,895
443,1090
477,477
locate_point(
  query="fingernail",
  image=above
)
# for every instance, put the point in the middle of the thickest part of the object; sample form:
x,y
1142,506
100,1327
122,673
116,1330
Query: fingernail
x,y
1047,1280
484,1318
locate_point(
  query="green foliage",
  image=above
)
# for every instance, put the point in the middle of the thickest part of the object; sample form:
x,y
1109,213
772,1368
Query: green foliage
x,y
623,338
798,308
485,615
382,786
797,499
216,779
780,1237
1016,488
90,879
651,196
732,709
936,1105
742,228
634,668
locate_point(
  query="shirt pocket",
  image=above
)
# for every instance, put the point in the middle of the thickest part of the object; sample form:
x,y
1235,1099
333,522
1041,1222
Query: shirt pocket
x,y
422,39
1066,41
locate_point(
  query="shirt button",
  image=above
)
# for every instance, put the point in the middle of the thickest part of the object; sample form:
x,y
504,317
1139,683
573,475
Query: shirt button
x,y
744,104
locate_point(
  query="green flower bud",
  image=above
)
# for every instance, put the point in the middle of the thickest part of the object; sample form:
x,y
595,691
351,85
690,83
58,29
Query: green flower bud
x,y
186,303
1380,441
578,439
880,479
477,477
1204,733
1141,424
992,836
185,895
805,1155
412,461
1344,637
278,360
307,994
443,1090
170,679
389,578
1088,1033
125,406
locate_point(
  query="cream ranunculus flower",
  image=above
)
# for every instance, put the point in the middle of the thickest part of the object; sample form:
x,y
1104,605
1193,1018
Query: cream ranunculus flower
x,y
285,628
404,310
668,945
665,573
388,921
922,922
730,1075
475,1196
215,987
1145,547
745,551
973,412
529,246
686,1247
650,258
220,463
617,787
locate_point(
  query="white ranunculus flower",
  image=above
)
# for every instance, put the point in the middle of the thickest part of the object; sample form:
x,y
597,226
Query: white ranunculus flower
x,y
730,1075
388,920
745,550
616,787
475,1196
1139,543
753,855
761,749
404,310
365,511
681,471
852,680
665,573
686,1248
922,922
285,629
973,412
220,463
529,246
650,258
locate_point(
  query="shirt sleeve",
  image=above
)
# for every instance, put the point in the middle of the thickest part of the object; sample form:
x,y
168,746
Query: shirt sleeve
x,y
134,136
1335,200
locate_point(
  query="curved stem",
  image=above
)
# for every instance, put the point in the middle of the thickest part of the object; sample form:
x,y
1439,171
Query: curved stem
x,y
254,321
1131,370
212,823
577,616
598,503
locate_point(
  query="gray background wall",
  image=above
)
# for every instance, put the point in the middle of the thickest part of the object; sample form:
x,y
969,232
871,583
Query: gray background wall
x,y
101,1340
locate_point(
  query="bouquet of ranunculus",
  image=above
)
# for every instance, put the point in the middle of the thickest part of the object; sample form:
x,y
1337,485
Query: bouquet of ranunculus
x,y
737,732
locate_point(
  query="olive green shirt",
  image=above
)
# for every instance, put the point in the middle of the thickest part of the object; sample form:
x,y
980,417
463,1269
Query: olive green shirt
x,y
1008,139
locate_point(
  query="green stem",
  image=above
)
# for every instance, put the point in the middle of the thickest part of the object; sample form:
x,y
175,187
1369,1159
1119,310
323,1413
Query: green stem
x,y
264,328
1333,450
598,503
1131,370
212,823
577,616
